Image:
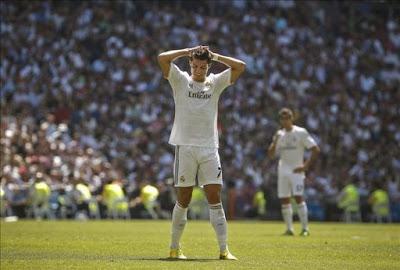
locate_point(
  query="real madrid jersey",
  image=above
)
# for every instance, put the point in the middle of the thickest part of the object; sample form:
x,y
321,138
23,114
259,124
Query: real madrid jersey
x,y
291,146
196,107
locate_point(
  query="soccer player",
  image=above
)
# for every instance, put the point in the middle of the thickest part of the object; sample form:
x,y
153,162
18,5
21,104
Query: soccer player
x,y
195,136
289,143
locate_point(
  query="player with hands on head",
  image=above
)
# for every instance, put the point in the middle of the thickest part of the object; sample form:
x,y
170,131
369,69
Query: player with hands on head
x,y
195,136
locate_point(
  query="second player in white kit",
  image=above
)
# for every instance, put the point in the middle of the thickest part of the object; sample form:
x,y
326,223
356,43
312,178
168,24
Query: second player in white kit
x,y
289,143
290,148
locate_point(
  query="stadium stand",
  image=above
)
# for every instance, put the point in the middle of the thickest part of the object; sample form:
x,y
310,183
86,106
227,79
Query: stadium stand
x,y
83,99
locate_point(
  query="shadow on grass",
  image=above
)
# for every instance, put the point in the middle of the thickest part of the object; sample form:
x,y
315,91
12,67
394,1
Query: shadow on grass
x,y
176,260
162,259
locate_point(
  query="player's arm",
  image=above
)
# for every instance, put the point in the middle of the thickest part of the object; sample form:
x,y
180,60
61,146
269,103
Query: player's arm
x,y
272,146
165,59
237,66
307,164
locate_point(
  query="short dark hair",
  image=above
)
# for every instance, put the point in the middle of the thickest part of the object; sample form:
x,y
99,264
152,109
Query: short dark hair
x,y
201,54
286,111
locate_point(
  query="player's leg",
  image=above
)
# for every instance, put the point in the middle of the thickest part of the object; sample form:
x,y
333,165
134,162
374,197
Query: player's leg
x,y
217,215
185,168
303,215
284,194
210,176
298,191
179,215
218,219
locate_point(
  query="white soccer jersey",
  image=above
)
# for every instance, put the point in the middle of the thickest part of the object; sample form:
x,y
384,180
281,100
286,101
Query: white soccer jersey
x,y
291,146
196,107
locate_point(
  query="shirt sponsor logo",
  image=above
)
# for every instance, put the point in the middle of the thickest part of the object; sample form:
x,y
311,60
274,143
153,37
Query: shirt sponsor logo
x,y
199,95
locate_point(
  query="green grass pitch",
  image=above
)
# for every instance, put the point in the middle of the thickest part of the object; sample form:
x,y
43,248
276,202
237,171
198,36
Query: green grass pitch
x,y
144,245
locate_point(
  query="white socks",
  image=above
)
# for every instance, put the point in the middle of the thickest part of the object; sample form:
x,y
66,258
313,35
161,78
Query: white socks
x,y
287,213
303,215
218,221
179,218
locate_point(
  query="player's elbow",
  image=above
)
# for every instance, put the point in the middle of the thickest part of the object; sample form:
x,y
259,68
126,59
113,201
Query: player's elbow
x,y
164,65
160,58
237,71
163,58
241,67
316,150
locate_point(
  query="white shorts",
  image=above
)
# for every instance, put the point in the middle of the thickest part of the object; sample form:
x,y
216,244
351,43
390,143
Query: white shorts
x,y
290,184
195,165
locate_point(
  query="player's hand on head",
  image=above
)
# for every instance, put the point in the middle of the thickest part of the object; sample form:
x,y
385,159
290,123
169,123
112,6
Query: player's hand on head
x,y
193,49
197,48
203,47
211,53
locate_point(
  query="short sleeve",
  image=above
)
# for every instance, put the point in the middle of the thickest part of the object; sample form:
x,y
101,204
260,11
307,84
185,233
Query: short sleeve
x,y
175,74
222,80
307,140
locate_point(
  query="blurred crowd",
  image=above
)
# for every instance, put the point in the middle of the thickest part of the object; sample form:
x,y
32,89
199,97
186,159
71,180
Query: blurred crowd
x,y
86,114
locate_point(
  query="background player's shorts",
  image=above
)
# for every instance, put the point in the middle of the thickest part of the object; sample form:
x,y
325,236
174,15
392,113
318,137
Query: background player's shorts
x,y
290,183
195,165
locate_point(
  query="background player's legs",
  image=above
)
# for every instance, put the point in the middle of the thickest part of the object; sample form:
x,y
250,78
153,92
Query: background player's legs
x,y
287,213
298,191
303,212
284,194
217,214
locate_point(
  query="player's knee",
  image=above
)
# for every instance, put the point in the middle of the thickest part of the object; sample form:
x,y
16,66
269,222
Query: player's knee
x,y
213,193
299,199
213,197
214,201
184,196
184,200
285,201
183,204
